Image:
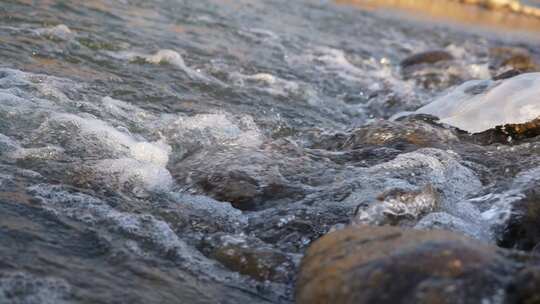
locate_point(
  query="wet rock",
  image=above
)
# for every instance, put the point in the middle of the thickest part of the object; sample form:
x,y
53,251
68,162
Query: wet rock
x,y
359,157
201,214
523,228
504,59
293,228
397,191
249,256
398,207
508,133
507,74
356,264
433,70
525,288
429,57
441,169
407,135
477,106
246,179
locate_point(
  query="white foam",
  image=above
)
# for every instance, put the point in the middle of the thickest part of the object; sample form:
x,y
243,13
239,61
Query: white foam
x,y
60,31
204,130
97,132
166,56
509,101
336,61
162,57
146,175
277,86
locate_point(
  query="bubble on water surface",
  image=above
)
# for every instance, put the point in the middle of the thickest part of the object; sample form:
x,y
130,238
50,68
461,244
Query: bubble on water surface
x,y
189,133
91,137
128,171
277,86
161,57
60,31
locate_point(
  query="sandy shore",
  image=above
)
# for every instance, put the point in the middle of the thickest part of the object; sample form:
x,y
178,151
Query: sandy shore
x,y
510,15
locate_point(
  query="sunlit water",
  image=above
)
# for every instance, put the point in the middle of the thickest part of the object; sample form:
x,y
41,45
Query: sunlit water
x,y
138,139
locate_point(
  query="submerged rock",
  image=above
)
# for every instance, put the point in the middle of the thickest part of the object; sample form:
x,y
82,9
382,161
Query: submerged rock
x,y
392,265
503,59
398,206
249,256
525,287
428,57
248,179
432,69
523,228
407,135
477,106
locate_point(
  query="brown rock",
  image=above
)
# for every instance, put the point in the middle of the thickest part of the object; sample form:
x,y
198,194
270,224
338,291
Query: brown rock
x,y
398,207
392,265
428,57
433,70
249,257
407,135
504,59
507,134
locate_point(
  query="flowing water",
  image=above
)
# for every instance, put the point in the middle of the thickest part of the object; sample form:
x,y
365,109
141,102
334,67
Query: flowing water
x,y
173,151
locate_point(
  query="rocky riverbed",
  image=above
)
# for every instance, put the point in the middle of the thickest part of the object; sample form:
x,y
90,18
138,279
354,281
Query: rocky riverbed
x,y
175,151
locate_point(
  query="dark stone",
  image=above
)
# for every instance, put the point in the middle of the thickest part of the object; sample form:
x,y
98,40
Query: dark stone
x,y
523,229
507,74
249,180
429,57
525,289
406,135
507,134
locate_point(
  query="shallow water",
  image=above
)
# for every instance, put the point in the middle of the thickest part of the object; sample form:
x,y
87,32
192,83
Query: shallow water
x,y
189,151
